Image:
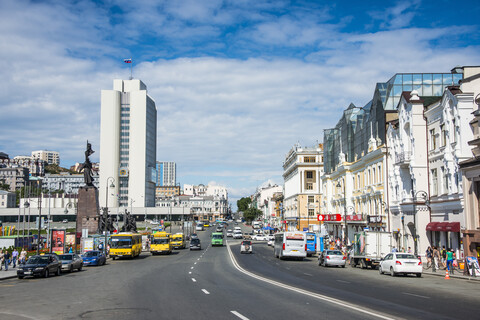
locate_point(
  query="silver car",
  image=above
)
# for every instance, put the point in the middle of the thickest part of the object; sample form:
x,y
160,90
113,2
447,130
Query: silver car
x,y
332,258
71,261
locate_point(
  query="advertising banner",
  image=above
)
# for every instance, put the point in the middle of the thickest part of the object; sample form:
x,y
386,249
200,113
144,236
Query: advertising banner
x,y
472,263
70,240
58,241
87,244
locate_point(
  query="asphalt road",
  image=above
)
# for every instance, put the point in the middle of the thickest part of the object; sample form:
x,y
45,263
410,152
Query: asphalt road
x,y
207,285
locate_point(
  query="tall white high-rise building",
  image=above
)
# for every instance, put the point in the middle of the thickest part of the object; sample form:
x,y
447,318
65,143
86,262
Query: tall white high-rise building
x,y
50,157
128,140
166,173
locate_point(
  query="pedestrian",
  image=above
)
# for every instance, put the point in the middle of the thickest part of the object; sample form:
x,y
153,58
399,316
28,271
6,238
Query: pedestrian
x,y
1,259
444,257
70,250
450,258
436,259
394,249
409,250
429,255
23,256
15,257
403,249
6,258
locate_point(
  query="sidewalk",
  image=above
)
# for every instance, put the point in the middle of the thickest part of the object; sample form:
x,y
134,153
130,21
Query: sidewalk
x,y
457,275
11,273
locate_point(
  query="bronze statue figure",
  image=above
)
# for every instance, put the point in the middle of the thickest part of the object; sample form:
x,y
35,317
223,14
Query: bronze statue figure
x,y
87,166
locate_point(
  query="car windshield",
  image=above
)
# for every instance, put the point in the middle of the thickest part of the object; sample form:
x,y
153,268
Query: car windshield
x,y
195,241
217,236
121,242
38,260
405,256
335,253
246,242
160,241
66,257
91,254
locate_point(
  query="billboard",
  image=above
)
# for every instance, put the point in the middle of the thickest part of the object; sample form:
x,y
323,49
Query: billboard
x,y
58,241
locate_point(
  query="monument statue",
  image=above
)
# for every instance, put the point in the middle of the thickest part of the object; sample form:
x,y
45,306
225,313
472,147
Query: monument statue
x,y
86,167
105,223
130,225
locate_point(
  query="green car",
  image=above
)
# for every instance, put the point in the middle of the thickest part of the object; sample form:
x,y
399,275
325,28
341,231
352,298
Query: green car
x,y
217,239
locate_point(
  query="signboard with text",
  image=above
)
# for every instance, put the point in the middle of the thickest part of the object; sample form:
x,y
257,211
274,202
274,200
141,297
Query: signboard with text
x,y
329,217
58,241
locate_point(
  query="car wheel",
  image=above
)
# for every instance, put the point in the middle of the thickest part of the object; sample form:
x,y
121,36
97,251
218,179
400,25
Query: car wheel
x,y
113,257
343,266
419,275
380,270
46,273
59,271
80,268
392,273
20,277
71,269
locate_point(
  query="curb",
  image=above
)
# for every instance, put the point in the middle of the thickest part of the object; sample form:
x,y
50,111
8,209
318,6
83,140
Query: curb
x,y
8,277
452,276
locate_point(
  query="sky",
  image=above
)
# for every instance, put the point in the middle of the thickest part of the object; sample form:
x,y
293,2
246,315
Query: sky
x,y
236,83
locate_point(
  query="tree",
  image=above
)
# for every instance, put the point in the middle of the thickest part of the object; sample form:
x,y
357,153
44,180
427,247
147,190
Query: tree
x,y
251,214
243,204
4,186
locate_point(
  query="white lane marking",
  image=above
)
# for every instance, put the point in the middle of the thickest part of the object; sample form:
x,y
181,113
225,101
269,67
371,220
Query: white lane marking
x,y
198,259
191,268
343,281
193,279
308,274
189,272
194,263
416,295
205,291
239,315
340,303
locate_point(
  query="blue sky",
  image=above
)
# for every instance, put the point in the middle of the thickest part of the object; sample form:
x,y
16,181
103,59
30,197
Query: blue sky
x,y
236,83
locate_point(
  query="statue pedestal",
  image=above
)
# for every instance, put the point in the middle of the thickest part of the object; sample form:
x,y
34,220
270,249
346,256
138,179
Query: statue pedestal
x,y
88,210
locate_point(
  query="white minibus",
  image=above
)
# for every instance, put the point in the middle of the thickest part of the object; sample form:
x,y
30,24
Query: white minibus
x,y
290,244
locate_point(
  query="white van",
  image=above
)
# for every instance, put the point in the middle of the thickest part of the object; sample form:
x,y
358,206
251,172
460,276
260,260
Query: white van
x,y
290,244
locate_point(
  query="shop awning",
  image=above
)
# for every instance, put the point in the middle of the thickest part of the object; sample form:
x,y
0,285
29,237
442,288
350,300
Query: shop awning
x,y
444,226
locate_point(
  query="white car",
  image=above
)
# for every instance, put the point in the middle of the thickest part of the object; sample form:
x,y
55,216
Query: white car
x,y
237,235
246,247
260,237
271,240
400,263
229,233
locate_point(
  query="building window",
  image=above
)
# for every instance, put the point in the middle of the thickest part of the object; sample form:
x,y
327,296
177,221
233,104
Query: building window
x,y
311,199
309,186
434,182
308,159
445,180
433,140
311,212
444,135
309,174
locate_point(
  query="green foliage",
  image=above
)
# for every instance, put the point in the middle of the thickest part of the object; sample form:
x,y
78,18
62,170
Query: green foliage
x,y
251,214
56,169
243,204
4,186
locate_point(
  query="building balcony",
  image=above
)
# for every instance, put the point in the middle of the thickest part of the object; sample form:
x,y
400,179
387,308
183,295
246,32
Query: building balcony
x,y
403,158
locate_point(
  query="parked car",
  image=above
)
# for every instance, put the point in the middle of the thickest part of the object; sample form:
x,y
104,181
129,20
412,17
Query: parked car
x,y
229,233
400,263
246,246
332,258
94,258
195,244
40,265
71,261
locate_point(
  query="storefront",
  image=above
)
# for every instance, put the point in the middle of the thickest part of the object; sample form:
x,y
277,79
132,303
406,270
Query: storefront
x,y
446,234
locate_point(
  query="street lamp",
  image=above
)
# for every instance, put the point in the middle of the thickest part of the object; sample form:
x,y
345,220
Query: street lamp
x,y
39,216
75,206
105,218
339,185
426,202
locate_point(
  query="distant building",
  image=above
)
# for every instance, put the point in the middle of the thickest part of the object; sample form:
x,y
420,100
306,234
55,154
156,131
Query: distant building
x,y
50,157
3,155
166,191
7,199
69,183
128,144
166,173
15,177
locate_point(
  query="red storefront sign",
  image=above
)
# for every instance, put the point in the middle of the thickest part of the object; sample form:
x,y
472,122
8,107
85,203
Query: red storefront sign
x,y
354,217
329,217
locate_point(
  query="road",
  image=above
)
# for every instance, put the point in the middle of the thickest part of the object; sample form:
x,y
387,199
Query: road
x,y
207,285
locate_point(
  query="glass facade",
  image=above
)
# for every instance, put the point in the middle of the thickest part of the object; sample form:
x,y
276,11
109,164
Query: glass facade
x,y
358,125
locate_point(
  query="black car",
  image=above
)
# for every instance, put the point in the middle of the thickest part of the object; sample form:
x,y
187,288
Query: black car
x,y
195,244
40,266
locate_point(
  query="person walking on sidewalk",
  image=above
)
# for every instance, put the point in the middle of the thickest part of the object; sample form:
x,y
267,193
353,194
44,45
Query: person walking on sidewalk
x,y
436,259
14,257
1,259
444,257
450,258
6,258
23,256
429,255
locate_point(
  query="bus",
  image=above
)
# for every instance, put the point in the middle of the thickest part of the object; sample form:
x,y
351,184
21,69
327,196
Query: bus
x,y
311,243
126,244
178,241
217,239
290,244
160,243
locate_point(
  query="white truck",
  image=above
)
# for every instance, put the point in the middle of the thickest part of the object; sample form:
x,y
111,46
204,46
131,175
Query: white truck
x,y
369,247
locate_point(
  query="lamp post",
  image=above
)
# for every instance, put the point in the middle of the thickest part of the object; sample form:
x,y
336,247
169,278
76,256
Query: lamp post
x,y
39,216
339,185
426,202
105,218
75,206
